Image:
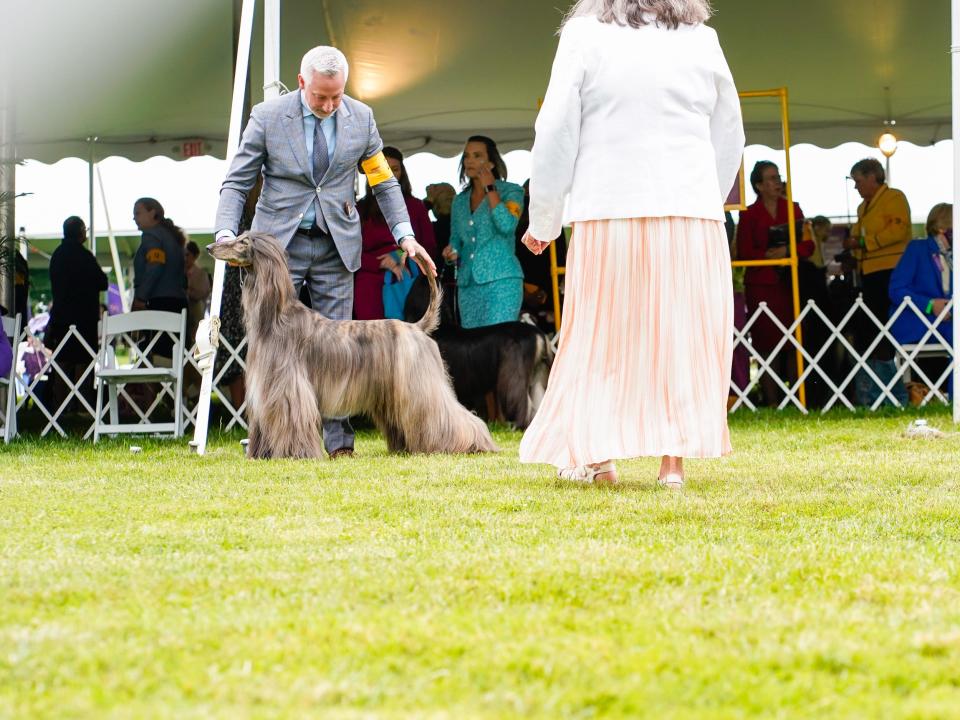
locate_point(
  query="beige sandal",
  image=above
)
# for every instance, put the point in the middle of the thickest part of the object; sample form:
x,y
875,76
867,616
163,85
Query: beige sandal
x,y
671,481
587,474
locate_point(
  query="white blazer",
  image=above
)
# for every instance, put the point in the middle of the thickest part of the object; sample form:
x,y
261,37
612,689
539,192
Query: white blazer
x,y
636,123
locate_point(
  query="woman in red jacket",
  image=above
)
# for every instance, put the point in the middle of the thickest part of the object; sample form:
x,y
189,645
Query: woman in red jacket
x,y
376,257
769,284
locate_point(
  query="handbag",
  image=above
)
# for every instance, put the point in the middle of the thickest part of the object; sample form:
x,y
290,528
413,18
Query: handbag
x,y
395,291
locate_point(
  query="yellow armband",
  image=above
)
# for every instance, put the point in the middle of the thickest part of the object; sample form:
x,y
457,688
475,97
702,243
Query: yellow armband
x,y
376,169
156,256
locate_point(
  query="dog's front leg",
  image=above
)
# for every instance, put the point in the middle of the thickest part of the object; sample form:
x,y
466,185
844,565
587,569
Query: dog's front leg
x,y
256,446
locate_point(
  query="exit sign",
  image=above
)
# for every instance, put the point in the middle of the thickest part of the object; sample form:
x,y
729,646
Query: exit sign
x,y
191,148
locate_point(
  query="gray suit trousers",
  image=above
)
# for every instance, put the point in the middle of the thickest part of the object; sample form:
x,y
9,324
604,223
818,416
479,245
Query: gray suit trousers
x,y
317,262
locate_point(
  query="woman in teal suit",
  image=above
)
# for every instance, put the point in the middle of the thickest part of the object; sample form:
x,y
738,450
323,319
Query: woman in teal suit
x,y
483,222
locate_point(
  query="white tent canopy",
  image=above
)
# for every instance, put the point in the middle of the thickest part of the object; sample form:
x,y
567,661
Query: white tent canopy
x,y
144,77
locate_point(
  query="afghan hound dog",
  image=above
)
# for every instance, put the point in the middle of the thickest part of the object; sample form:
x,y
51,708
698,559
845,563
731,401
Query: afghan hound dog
x,y
302,366
509,360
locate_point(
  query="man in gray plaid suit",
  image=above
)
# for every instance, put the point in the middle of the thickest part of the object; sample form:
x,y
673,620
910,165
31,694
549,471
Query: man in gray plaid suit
x,y
307,145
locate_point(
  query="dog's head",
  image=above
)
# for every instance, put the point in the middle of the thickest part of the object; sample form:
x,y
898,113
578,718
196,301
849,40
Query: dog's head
x,y
246,250
236,251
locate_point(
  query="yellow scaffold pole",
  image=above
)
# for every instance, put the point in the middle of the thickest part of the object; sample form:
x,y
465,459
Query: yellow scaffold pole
x,y
792,261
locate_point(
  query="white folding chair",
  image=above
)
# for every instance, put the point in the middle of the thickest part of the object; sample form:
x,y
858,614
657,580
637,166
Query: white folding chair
x,y
8,384
140,370
918,352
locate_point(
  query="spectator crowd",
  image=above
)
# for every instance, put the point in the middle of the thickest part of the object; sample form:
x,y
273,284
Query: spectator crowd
x,y
474,236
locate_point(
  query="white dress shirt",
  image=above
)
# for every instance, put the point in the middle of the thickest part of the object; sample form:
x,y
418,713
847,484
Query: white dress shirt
x,y
636,122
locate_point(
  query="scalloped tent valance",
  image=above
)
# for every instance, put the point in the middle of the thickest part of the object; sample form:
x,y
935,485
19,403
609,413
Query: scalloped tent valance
x,y
149,78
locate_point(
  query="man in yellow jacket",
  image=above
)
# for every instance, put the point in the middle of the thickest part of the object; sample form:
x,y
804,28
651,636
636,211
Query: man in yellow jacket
x,y
879,236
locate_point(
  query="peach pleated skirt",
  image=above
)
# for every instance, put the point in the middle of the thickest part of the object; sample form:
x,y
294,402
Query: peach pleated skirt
x,y
643,365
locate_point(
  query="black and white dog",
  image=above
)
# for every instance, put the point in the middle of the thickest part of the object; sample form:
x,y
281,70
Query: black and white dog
x,y
511,361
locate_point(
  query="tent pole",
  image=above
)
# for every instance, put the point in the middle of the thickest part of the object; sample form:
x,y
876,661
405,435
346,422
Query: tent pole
x,y
209,331
91,164
114,253
955,58
271,49
8,158
8,188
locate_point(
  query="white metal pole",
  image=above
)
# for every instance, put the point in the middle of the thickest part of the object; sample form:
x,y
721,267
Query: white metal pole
x,y
955,57
114,253
271,49
208,334
8,188
91,164
8,154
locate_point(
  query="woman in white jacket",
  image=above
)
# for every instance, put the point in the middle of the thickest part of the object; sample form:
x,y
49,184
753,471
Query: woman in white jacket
x,y
638,142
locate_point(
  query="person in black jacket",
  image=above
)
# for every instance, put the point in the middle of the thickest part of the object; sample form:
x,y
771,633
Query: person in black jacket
x,y
76,282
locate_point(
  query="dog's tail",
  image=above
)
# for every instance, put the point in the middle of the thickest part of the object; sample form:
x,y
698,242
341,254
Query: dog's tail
x,y
431,318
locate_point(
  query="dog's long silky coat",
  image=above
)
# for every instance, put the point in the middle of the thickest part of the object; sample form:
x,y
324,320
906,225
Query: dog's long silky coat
x,y
302,366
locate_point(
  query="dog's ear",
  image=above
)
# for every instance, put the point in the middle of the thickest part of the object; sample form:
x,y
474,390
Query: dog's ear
x,y
266,247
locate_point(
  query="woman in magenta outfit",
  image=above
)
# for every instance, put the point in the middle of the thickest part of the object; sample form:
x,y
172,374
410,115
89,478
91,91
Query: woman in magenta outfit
x,y
376,258
768,284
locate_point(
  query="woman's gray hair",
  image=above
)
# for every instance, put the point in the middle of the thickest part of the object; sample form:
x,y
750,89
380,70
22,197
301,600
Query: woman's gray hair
x,y
671,13
325,60
870,166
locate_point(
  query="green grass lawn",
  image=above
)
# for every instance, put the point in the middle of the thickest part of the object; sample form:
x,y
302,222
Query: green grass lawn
x,y
814,573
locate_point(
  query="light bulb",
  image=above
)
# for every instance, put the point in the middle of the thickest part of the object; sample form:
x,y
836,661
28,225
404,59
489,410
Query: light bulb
x,y
888,144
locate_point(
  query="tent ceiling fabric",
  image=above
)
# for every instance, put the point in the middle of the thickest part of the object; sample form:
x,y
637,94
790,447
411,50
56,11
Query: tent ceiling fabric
x,y
143,76
139,75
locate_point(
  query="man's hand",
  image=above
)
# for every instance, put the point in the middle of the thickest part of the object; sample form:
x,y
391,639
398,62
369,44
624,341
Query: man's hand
x,y
938,306
415,252
535,246
851,243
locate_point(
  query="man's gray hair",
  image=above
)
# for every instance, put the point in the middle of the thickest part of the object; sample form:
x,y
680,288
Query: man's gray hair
x,y
325,60
671,13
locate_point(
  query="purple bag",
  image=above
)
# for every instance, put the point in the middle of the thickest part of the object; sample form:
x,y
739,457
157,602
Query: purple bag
x,y
114,303
6,355
34,361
